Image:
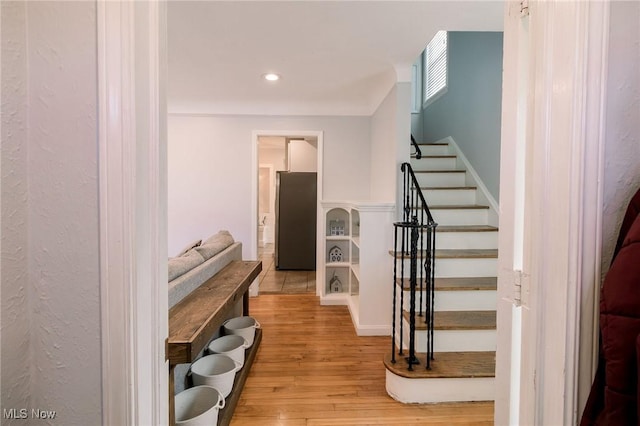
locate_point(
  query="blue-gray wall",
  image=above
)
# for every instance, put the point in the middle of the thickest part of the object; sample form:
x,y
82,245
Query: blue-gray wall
x,y
470,110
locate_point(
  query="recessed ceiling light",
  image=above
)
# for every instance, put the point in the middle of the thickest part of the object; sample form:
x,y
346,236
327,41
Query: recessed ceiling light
x,y
271,77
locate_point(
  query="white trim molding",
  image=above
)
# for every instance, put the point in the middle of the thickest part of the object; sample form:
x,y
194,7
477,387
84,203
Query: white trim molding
x,y
133,235
564,48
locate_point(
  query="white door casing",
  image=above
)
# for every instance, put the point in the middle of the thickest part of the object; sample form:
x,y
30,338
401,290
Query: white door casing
x,y
560,206
133,207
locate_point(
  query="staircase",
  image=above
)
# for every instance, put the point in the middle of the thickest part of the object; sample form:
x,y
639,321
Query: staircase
x,y
464,317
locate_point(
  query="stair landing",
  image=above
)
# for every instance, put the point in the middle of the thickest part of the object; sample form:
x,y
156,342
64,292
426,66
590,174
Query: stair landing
x,y
445,365
454,376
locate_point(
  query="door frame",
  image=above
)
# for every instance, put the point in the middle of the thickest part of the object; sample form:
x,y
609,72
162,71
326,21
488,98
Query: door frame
x,y
255,135
132,168
553,130
558,352
272,192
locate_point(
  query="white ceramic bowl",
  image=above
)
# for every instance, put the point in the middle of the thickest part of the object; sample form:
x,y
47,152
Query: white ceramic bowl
x,y
198,406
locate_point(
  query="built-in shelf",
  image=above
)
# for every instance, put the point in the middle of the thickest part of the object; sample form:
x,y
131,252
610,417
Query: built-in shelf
x,y
363,272
355,268
338,264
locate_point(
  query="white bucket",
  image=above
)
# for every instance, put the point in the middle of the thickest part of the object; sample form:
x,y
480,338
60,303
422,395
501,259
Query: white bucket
x,y
232,346
242,326
215,370
198,406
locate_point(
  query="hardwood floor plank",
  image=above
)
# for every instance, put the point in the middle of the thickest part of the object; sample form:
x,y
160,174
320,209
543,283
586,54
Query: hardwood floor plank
x,y
312,369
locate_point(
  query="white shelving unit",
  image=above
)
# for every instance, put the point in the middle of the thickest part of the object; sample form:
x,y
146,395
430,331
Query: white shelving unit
x,y
354,266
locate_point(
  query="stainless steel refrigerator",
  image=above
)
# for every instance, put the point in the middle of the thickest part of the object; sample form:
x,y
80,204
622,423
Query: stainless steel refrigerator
x,y
296,211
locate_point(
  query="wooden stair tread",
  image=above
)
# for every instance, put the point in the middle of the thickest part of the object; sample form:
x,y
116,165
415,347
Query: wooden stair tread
x,y
449,365
433,144
457,254
454,188
466,228
457,320
439,171
196,318
458,207
461,284
466,253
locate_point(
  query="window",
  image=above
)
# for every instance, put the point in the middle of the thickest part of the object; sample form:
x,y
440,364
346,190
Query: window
x,y
435,67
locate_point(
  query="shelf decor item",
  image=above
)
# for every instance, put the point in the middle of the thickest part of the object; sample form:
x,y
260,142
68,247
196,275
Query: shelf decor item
x,y
335,285
336,227
335,254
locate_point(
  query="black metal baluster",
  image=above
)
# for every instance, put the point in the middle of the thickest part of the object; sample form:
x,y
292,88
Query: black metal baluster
x,y
414,233
422,277
412,360
402,253
433,283
393,311
428,319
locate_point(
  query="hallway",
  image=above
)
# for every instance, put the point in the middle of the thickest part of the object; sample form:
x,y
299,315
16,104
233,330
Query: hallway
x,y
312,369
273,281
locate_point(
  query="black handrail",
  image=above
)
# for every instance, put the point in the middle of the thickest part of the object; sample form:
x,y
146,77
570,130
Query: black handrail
x,y
407,169
417,147
417,245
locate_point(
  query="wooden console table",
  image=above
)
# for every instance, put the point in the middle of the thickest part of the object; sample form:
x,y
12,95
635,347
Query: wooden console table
x,y
195,319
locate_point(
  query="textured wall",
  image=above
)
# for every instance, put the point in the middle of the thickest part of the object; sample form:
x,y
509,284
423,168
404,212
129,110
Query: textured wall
x,y
63,210
15,347
622,149
209,174
470,111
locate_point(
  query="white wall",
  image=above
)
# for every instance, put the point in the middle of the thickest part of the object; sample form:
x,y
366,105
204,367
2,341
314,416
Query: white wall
x,y
210,169
622,149
15,347
63,209
56,276
303,156
383,149
390,143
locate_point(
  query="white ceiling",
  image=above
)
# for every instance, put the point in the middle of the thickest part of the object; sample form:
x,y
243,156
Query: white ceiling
x,y
335,57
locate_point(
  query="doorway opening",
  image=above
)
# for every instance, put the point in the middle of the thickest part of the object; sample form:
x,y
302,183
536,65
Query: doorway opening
x,y
288,188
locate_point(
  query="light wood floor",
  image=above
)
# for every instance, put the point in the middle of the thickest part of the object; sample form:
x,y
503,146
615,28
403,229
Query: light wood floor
x,y
312,369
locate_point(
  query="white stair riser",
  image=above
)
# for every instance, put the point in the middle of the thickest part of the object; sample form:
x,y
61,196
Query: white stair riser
x,y
467,300
460,216
452,340
421,391
431,150
434,163
459,267
448,179
467,240
449,197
